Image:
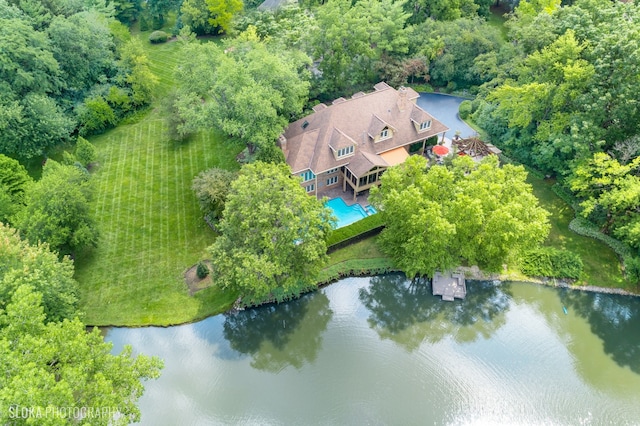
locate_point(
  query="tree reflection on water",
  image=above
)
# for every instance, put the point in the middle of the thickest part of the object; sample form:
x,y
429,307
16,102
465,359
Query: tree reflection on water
x,y
406,312
614,319
276,336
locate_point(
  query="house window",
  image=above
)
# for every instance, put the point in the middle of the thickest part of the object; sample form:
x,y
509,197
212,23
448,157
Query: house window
x,y
343,152
425,125
332,171
384,134
308,175
332,180
310,188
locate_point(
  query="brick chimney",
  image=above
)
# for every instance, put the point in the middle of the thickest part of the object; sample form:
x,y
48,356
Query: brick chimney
x,y
402,98
282,141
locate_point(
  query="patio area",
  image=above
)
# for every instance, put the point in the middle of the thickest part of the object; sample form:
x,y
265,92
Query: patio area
x,y
347,196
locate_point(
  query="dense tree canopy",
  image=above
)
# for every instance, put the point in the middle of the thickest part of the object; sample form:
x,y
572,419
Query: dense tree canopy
x,y
58,364
482,213
349,40
14,182
58,209
611,194
573,94
61,62
251,91
35,266
272,241
566,103
209,16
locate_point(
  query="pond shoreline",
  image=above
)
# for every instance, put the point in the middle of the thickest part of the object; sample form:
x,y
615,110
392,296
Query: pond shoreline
x,y
474,273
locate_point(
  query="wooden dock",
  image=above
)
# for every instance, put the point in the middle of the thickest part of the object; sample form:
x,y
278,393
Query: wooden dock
x,y
449,285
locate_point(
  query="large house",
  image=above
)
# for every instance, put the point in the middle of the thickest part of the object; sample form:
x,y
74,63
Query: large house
x,y
352,141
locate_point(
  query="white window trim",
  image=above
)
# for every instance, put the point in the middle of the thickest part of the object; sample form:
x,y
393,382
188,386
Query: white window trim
x,y
385,134
332,180
310,188
345,152
425,125
334,170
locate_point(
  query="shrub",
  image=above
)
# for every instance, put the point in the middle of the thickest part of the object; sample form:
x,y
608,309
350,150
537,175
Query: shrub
x,y
157,22
119,99
465,109
202,270
585,228
158,37
355,229
95,116
551,262
85,151
68,158
212,188
632,269
270,154
144,24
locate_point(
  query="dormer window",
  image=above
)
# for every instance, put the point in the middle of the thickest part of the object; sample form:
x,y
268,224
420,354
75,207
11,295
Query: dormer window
x,y
384,134
343,152
307,176
425,125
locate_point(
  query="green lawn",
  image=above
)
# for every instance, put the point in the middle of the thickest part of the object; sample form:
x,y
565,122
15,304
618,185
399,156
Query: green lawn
x,y
496,19
151,229
601,265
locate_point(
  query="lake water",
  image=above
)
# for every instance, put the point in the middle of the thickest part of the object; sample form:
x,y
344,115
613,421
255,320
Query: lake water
x,y
382,350
445,109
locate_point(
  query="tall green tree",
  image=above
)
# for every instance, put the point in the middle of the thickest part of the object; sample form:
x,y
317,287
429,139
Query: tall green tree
x,y
84,49
139,75
58,209
28,64
272,241
250,91
610,194
14,182
34,265
222,12
437,217
351,38
14,178
212,188
57,365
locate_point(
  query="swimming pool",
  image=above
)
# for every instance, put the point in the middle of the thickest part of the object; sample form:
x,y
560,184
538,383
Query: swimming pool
x,y
345,214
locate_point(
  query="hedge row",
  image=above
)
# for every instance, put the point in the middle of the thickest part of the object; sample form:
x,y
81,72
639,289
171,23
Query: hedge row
x,y
354,268
551,262
582,226
354,230
566,196
508,160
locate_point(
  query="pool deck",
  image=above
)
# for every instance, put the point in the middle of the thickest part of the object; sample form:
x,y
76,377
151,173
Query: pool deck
x,y
449,285
347,197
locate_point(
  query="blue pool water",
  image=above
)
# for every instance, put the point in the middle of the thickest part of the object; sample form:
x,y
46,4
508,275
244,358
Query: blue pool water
x,y
345,214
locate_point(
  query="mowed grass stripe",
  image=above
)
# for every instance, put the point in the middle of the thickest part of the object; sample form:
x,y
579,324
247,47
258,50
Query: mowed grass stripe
x,y
150,224
134,276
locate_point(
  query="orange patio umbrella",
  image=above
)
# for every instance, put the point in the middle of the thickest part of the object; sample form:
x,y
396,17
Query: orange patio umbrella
x,y
440,150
